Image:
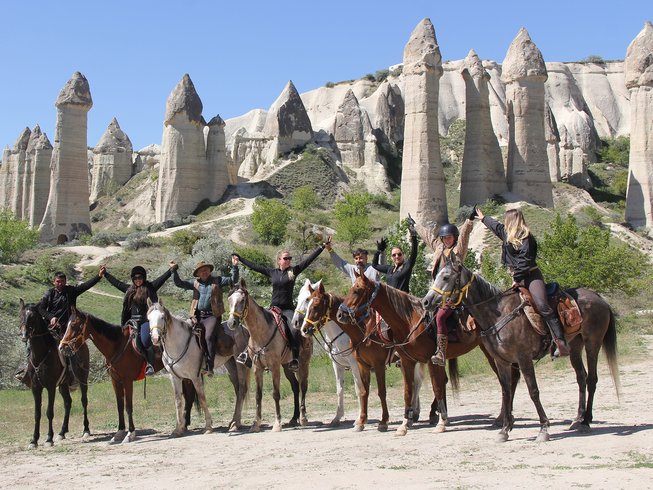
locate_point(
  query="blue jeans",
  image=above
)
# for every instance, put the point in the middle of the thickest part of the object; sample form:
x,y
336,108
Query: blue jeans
x,y
144,331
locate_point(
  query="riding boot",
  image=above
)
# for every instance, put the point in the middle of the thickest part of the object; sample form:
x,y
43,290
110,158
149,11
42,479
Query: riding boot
x,y
24,375
293,365
210,357
562,348
149,356
440,355
73,382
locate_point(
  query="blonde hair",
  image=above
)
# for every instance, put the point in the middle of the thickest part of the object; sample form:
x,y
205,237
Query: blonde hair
x,y
516,229
291,276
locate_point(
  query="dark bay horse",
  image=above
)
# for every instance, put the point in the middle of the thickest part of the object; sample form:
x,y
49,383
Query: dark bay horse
x,y
269,350
123,363
50,371
406,318
509,337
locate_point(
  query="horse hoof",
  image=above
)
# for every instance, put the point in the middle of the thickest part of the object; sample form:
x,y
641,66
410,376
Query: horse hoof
x,y
86,436
402,430
176,433
501,437
292,423
130,437
359,427
208,430
303,421
233,427
434,419
276,428
584,428
439,429
60,437
255,428
48,444
382,427
542,437
32,445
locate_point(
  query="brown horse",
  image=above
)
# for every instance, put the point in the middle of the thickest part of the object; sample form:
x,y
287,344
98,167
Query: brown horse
x,y
406,318
509,337
124,364
269,350
49,372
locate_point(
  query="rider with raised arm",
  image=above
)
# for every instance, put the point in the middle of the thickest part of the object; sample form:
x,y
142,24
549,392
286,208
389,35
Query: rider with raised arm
x,y
519,254
398,274
283,279
207,306
360,264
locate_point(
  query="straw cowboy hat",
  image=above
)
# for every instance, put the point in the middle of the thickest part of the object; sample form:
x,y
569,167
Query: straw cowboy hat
x,y
201,264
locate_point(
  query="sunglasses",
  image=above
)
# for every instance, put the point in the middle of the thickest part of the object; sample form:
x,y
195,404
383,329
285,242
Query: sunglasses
x,y
398,255
136,278
286,258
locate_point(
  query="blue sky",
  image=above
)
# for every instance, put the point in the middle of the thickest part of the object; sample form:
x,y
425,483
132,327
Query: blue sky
x,y
240,54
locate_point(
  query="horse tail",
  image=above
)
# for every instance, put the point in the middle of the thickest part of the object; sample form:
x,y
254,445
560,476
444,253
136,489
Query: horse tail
x,y
610,349
454,375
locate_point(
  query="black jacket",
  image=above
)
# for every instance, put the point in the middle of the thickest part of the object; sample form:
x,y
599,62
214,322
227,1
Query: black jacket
x,y
57,305
399,277
152,288
520,261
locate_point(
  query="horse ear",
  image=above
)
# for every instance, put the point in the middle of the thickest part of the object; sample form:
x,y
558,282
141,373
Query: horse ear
x,y
310,288
160,301
22,304
357,272
243,284
321,287
149,303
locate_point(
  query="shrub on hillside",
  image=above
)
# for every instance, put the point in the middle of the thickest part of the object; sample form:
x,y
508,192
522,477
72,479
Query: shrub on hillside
x,y
47,264
138,240
270,218
352,215
16,237
615,150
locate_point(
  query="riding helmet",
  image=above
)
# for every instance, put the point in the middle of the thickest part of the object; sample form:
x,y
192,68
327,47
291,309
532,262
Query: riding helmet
x,y
139,271
448,229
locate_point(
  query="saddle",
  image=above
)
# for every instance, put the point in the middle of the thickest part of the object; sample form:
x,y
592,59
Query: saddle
x,y
132,330
382,328
280,321
561,302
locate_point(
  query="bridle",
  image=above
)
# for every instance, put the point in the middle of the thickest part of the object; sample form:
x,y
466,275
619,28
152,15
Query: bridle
x,y
162,336
447,300
77,339
365,307
242,315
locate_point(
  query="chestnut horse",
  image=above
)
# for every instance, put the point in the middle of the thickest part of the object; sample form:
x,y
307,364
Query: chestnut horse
x,y
367,348
269,350
509,337
124,364
406,318
49,372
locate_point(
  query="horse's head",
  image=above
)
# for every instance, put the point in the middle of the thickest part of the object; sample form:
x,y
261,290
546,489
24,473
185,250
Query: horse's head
x,y
302,302
358,299
449,286
31,321
157,316
317,308
238,300
76,333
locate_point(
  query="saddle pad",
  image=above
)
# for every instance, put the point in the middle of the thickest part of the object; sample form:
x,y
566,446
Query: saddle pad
x,y
280,320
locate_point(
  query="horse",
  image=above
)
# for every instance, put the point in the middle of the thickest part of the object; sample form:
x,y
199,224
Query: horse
x,y
124,363
183,358
50,371
269,350
406,318
363,344
509,337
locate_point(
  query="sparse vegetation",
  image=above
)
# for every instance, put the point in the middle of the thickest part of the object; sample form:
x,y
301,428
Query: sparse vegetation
x,y
16,236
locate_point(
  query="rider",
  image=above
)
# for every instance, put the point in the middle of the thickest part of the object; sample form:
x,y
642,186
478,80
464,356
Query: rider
x,y
360,264
207,306
134,306
448,244
519,253
283,279
55,308
398,274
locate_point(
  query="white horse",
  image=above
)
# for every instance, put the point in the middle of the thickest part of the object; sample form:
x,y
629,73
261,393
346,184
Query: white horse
x,y
183,358
338,345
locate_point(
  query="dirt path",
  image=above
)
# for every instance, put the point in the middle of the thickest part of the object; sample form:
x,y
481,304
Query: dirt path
x,y
618,453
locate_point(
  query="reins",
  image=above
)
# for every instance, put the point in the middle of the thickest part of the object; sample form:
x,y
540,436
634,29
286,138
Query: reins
x,y
169,319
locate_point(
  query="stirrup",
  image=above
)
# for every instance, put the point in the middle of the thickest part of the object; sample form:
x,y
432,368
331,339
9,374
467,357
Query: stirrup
x,y
293,365
561,350
149,370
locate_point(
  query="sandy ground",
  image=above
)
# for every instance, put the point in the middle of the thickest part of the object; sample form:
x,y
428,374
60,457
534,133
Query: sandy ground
x,y
617,453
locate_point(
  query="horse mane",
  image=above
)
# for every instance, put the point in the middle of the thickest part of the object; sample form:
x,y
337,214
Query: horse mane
x,y
403,303
487,289
112,332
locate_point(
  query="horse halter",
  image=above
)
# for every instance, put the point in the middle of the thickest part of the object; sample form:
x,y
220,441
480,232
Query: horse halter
x,y
78,339
156,328
364,307
320,322
447,296
241,316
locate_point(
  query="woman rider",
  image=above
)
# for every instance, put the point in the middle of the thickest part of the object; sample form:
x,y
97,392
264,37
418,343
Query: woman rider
x,y
283,279
134,306
398,274
519,253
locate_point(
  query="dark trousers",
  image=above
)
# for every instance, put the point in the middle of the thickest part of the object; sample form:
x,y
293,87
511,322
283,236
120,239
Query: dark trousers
x,y
441,320
535,284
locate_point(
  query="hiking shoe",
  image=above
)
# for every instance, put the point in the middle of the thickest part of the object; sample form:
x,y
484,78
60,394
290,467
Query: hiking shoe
x,y
149,370
437,359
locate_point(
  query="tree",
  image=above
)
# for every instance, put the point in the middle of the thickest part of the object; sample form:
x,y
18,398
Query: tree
x,y
351,212
304,199
16,236
585,257
270,220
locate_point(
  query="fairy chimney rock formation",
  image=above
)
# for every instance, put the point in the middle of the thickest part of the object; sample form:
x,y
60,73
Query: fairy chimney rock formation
x,y
639,80
40,188
389,117
182,171
218,177
287,123
16,179
422,176
527,169
67,213
4,177
112,161
482,174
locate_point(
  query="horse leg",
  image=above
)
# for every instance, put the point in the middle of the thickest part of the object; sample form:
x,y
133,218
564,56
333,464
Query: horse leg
x,y
37,394
119,391
303,386
339,371
439,385
258,372
379,372
129,406
592,380
188,391
67,404
527,369
418,377
198,382
234,371
408,370
50,413
355,371
83,388
276,396
294,384
180,427
504,372
576,360
363,396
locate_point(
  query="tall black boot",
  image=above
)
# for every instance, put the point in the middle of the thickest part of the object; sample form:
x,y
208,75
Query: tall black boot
x,y
73,383
293,339
562,348
149,357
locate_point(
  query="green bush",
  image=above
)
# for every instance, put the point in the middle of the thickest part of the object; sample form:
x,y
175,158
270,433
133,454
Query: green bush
x,y
352,214
185,239
270,220
16,237
47,264
615,150
585,257
304,199
138,240
420,279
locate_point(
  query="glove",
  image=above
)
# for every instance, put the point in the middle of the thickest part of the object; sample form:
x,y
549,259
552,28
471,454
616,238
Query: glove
x,y
381,244
410,220
472,216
